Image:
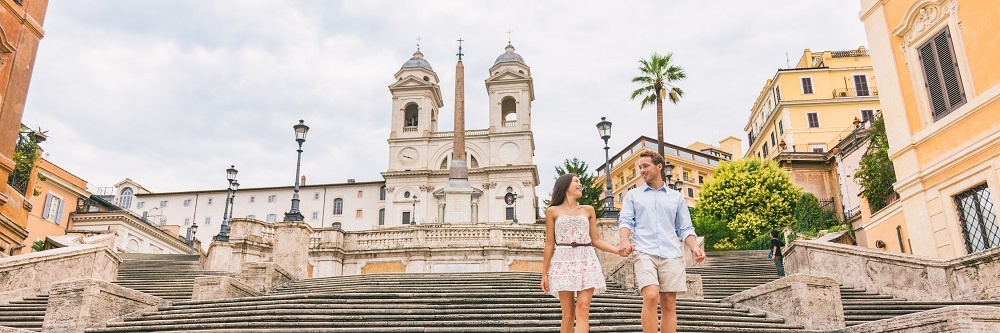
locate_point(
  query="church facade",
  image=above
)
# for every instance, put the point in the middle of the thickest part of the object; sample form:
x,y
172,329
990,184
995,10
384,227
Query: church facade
x,y
500,160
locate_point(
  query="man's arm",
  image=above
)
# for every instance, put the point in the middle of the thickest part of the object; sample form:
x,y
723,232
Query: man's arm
x,y
685,230
626,224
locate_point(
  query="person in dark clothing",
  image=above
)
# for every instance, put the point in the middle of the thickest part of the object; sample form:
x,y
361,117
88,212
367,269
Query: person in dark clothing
x,y
776,245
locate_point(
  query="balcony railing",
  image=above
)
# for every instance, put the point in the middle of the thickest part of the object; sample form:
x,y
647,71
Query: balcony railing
x,y
409,129
852,92
509,123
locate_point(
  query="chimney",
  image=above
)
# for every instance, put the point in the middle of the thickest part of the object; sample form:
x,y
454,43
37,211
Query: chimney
x,y
302,180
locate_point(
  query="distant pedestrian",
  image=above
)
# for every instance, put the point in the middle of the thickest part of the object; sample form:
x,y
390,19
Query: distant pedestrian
x,y
776,245
570,269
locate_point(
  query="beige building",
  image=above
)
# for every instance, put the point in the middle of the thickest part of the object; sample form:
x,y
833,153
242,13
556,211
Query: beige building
x,y
939,79
803,113
693,165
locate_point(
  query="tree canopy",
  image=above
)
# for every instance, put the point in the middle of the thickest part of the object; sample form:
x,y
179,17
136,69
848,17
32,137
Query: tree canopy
x,y
593,194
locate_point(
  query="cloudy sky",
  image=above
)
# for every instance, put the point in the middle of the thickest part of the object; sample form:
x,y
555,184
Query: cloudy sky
x,y
170,93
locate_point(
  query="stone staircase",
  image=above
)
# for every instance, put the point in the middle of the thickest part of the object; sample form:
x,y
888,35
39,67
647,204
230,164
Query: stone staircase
x,y
27,314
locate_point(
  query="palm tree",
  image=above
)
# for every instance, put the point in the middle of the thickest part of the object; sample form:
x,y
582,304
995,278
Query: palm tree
x,y
657,73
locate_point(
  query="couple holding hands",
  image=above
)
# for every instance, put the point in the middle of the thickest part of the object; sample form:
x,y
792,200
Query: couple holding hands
x,y
653,222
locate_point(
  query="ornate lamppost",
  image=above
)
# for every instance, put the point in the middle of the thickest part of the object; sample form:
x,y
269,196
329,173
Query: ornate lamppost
x,y
604,128
413,215
227,211
294,215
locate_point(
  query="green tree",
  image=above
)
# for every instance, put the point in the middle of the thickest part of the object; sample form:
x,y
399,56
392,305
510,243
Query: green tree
x,y
875,173
657,73
716,232
751,196
593,194
808,214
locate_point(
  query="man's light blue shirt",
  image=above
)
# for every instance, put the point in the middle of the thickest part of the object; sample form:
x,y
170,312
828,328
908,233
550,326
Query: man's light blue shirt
x,y
659,220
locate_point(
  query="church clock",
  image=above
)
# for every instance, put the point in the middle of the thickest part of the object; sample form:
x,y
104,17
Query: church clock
x,y
408,156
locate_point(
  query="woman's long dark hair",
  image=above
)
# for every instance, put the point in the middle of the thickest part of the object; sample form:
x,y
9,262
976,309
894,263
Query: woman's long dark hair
x,y
560,188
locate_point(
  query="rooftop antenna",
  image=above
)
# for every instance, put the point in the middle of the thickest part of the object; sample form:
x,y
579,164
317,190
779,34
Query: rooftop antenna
x,y
788,64
460,54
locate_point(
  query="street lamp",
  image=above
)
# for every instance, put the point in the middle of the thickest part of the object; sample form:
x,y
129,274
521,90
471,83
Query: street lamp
x,y
294,215
604,128
413,215
227,212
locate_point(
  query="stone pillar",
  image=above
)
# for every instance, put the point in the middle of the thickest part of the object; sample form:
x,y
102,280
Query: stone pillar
x,y
811,301
220,287
87,303
695,289
291,247
263,276
440,212
221,258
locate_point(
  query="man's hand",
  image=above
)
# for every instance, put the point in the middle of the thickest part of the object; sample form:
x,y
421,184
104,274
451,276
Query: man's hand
x,y
625,248
545,283
699,254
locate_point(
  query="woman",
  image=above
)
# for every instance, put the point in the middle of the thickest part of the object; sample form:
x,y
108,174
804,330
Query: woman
x,y
570,267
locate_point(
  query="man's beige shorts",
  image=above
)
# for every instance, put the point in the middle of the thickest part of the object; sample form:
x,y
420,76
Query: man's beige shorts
x,y
668,273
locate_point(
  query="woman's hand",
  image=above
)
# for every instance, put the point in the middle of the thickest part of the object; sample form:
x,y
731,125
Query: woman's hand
x,y
545,283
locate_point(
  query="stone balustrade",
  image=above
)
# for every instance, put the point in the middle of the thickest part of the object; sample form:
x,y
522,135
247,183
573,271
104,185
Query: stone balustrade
x,y
34,273
971,277
431,236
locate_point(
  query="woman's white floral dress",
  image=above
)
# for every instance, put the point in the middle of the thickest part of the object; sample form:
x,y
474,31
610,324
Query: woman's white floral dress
x,y
574,268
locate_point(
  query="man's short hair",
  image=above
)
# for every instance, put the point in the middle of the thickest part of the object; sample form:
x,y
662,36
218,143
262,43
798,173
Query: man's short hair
x,y
656,157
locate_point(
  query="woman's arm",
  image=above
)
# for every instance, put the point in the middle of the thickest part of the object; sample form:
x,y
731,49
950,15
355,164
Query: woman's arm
x,y
550,246
595,236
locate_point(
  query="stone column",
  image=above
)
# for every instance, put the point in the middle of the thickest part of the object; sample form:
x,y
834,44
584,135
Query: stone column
x,y
291,247
87,303
221,258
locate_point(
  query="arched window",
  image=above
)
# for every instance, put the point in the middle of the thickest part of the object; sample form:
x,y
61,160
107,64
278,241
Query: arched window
x,y
133,246
444,164
410,115
338,206
473,163
336,225
381,217
508,111
381,193
125,200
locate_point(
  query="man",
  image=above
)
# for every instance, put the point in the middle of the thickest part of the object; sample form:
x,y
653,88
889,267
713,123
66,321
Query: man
x,y
653,220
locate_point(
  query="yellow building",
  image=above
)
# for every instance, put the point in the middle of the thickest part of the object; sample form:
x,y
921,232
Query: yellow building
x,y
939,79
693,165
55,195
803,113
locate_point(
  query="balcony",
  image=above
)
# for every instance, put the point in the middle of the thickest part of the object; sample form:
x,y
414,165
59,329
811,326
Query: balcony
x,y
407,129
509,123
855,93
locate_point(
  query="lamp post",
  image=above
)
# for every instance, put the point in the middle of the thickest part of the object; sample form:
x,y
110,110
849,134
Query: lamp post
x,y
294,215
604,128
668,171
223,235
413,215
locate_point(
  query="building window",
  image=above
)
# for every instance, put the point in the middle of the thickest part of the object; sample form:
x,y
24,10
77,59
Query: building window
x,y
979,223
251,216
126,198
867,115
315,215
781,127
406,217
813,118
187,221
943,80
140,205
210,201
807,85
510,213
685,174
764,149
861,85
252,199
53,208
701,179
817,147
690,192
187,202
163,220
272,198
338,206
777,93
360,194
208,220
381,193
381,216
357,214
316,196
336,225
773,142
272,217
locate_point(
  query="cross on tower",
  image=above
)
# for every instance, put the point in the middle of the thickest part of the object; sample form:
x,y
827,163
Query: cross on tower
x,y
508,35
418,43
460,49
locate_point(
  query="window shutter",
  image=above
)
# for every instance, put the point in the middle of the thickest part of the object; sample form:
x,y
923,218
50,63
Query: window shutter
x,y
45,211
59,211
929,61
950,76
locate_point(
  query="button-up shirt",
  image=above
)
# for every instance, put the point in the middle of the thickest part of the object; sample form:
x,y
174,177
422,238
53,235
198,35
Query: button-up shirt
x,y
659,220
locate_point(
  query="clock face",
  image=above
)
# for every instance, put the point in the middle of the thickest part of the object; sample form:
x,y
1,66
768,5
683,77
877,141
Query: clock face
x,y
408,156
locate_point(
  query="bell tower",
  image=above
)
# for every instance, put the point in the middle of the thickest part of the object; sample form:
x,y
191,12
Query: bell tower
x,y
511,92
416,99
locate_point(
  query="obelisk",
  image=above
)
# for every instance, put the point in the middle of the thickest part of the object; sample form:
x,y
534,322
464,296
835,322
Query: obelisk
x,y
458,193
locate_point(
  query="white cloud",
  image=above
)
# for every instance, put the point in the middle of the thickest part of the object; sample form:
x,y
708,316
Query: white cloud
x,y
171,93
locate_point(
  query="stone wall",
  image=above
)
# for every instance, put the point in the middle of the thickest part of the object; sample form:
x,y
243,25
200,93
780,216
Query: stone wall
x,y
972,277
34,273
952,319
810,301
87,303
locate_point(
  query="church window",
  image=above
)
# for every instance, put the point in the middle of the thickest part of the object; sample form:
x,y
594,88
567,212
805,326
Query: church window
x,y
381,216
338,206
473,163
510,213
126,198
508,111
444,164
406,217
426,78
410,115
381,193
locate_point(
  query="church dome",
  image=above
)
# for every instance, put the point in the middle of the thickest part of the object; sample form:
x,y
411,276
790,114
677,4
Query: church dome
x,y
417,61
509,56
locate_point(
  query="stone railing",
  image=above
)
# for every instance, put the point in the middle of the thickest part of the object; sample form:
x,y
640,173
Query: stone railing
x,y
430,236
966,278
34,273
